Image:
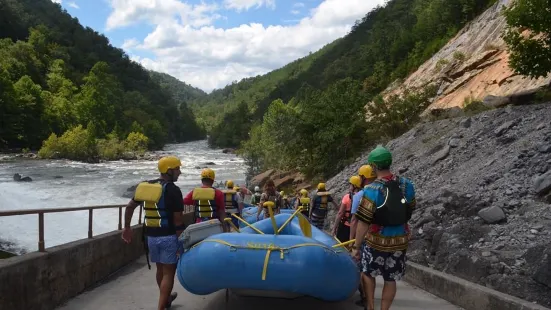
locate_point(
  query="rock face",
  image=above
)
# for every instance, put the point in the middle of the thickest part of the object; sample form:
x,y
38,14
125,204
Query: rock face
x,y
282,180
474,65
483,201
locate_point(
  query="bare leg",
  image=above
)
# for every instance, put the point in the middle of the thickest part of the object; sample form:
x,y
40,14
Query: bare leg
x,y
167,284
159,274
389,291
368,284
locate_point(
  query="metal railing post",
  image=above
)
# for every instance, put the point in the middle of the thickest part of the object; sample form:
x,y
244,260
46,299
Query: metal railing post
x,y
120,218
41,245
90,221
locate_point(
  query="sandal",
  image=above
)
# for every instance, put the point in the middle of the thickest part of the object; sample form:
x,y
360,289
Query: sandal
x,y
173,296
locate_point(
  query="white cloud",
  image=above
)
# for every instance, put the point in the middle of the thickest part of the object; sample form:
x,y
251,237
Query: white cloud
x,y
156,12
73,5
130,44
240,5
209,57
56,1
298,5
295,12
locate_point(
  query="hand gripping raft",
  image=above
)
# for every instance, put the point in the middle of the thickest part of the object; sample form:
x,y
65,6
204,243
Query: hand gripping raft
x,y
287,257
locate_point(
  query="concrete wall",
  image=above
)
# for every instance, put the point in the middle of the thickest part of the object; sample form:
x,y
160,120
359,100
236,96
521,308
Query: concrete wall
x,y
42,281
465,294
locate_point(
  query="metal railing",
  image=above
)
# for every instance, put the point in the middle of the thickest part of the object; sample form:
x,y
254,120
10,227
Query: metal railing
x,y
41,212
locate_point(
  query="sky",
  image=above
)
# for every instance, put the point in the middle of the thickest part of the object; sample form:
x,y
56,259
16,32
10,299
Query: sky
x,y
211,43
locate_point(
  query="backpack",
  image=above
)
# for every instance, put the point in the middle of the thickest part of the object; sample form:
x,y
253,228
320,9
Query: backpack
x,y
394,211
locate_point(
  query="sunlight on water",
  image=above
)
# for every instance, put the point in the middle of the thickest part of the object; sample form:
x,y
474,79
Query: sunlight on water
x,y
66,183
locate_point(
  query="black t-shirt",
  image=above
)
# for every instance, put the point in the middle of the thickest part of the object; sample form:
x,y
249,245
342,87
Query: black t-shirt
x,y
174,202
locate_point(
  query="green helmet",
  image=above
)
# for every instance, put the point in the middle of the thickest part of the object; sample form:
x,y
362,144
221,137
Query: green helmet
x,y
380,157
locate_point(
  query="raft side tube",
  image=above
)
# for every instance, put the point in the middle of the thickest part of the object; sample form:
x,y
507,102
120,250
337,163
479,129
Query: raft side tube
x,y
295,265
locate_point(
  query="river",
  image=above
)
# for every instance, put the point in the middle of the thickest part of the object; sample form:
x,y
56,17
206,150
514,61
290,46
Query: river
x,y
66,183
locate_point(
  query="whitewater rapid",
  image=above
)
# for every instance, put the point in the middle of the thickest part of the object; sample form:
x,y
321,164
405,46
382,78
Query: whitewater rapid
x,y
65,183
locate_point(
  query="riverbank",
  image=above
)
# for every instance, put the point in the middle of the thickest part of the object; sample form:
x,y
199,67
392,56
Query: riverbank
x,y
67,183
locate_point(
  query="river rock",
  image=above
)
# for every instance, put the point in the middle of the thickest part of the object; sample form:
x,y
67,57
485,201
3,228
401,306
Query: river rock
x,y
18,178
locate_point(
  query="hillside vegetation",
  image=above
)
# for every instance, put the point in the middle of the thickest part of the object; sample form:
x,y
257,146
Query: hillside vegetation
x,y
65,83
314,108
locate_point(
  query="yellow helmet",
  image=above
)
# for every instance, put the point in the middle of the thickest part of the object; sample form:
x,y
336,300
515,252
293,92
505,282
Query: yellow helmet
x,y
207,173
236,188
367,172
282,193
168,162
356,181
304,192
229,184
321,187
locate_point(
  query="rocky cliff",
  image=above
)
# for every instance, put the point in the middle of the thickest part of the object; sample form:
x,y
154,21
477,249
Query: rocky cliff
x,y
484,197
471,66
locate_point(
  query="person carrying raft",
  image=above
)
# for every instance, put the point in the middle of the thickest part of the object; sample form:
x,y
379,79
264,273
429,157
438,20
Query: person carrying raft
x,y
341,227
318,206
231,202
386,207
208,202
269,195
163,224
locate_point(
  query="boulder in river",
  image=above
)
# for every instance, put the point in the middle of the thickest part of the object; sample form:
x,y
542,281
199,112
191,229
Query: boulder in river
x,y
17,178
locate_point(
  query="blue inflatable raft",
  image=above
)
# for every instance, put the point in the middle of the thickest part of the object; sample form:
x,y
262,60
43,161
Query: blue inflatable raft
x,y
288,264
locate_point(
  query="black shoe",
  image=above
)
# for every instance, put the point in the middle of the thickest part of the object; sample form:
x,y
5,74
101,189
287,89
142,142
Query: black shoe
x,y
173,296
360,302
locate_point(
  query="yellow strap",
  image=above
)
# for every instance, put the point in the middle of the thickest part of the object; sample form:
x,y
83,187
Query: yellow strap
x,y
265,267
270,250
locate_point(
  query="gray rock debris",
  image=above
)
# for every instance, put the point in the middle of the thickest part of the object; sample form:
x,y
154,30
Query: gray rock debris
x,y
492,214
496,175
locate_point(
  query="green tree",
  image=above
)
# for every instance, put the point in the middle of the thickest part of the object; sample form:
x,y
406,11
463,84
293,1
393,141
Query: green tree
x,y
528,35
98,98
30,107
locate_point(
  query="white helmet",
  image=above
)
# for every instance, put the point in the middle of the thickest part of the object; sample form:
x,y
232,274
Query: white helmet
x,y
257,189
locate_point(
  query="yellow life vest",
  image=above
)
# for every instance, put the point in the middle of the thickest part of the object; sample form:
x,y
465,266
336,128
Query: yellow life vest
x,y
229,202
205,204
156,217
304,202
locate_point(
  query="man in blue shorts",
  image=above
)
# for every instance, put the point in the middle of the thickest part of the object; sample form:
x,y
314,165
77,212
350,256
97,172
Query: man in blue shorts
x,y
386,207
163,223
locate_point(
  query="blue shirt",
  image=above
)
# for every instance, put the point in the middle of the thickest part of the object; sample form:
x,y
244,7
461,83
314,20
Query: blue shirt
x,y
356,201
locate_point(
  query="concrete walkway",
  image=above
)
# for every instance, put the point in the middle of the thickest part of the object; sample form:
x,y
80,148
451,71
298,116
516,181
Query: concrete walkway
x,y
134,288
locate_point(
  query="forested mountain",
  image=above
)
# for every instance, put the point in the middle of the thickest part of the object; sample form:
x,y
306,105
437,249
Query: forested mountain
x,y
319,122
230,101
180,91
59,77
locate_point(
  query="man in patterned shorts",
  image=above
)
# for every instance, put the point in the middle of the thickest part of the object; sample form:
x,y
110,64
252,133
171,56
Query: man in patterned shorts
x,y
385,208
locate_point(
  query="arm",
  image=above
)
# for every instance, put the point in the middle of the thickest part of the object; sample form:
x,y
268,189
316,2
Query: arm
x,y
355,205
188,201
128,212
220,203
262,200
353,227
364,215
338,217
177,206
240,203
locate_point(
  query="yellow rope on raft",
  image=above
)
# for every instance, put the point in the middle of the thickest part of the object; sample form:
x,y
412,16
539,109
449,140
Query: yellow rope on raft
x,y
269,250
